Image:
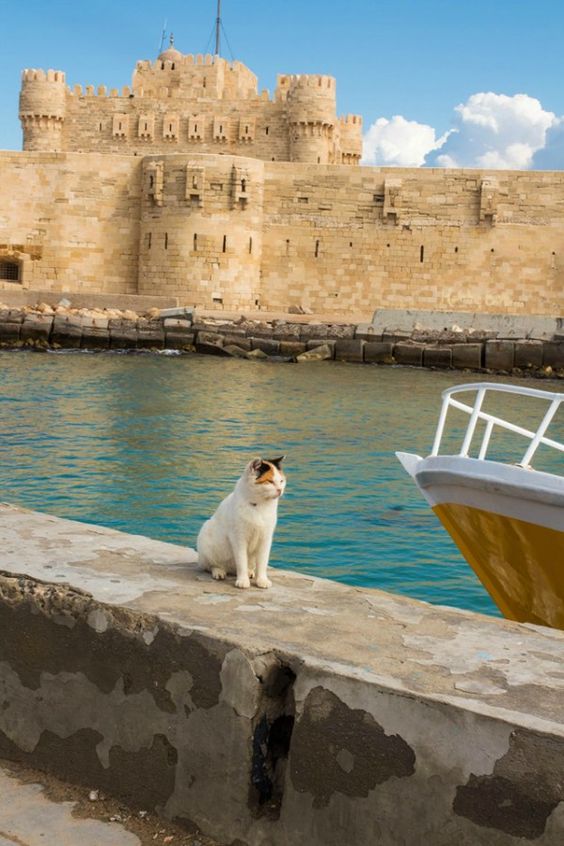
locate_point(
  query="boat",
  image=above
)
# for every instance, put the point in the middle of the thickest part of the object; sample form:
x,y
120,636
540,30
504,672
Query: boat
x,y
506,517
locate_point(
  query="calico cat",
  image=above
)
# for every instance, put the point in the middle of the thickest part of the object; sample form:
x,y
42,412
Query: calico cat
x,y
238,537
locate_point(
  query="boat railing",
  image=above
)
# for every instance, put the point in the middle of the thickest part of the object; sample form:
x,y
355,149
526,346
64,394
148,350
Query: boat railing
x,y
474,410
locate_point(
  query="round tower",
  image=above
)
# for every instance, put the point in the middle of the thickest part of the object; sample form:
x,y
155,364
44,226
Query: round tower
x,y
201,230
312,115
42,109
350,139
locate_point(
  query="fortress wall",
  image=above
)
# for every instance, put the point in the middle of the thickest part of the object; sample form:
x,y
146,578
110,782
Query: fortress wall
x,y
428,239
202,230
72,221
89,125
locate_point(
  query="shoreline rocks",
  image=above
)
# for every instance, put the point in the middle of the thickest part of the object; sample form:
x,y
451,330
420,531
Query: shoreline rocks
x,y
44,327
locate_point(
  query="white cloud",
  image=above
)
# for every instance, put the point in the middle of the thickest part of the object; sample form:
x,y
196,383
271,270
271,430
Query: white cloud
x,y
399,142
551,156
489,131
495,131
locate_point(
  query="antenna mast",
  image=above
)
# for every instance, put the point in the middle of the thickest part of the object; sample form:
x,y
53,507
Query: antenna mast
x,y
163,36
217,27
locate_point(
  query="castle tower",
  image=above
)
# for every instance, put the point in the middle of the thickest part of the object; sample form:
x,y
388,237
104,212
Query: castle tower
x,y
201,229
42,109
311,102
350,139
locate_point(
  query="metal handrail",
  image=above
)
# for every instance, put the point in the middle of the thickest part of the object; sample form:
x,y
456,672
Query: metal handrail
x,y
535,438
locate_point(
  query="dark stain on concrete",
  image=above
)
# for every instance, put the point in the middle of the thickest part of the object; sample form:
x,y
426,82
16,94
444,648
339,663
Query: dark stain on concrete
x,y
339,749
144,779
44,628
525,787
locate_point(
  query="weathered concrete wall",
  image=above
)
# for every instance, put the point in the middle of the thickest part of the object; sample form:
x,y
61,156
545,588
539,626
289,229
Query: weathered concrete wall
x,y
311,713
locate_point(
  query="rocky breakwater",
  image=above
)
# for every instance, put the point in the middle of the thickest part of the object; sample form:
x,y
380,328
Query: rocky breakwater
x,y
44,327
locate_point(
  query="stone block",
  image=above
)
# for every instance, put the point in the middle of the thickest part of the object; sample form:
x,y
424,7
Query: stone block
x,y
411,354
9,332
341,331
313,330
13,315
173,323
36,326
95,337
67,331
209,338
235,351
176,340
322,353
467,356
95,322
123,334
499,355
553,354
350,349
210,343
286,331
260,330
528,353
379,352
292,348
395,336
237,340
186,312
318,342
367,332
267,345
437,357
150,335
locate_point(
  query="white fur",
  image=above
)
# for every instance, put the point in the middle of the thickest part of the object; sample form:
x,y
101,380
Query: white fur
x,y
237,539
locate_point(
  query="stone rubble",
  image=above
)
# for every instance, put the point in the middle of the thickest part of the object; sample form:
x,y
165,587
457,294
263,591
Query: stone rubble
x,y
46,327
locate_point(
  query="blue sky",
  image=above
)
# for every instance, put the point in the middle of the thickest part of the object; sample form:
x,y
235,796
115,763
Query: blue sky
x,y
417,59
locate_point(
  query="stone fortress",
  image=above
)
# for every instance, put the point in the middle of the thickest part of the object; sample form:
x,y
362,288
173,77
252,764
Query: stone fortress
x,y
192,184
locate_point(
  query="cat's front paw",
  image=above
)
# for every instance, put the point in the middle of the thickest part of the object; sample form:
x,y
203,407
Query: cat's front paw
x,y
263,582
243,582
217,573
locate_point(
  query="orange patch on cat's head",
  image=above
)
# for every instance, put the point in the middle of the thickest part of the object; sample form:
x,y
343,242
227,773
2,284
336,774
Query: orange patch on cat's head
x,y
267,474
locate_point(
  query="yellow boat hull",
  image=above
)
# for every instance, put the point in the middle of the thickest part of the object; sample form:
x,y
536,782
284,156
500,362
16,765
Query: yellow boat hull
x,y
520,564
508,522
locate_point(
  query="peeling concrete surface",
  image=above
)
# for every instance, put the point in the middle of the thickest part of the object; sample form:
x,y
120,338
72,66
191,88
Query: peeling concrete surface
x,y
313,712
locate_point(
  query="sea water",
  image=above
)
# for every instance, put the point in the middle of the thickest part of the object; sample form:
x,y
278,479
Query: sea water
x,y
150,444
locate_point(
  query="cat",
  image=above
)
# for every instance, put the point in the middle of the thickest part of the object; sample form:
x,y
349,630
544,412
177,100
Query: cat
x,y
238,537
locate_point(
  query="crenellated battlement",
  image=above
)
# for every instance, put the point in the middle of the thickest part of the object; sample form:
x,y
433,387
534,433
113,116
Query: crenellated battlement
x,y
39,75
98,91
194,102
350,120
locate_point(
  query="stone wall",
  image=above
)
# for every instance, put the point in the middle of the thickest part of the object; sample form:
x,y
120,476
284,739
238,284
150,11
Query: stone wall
x,y
310,713
226,232
191,104
414,238
71,222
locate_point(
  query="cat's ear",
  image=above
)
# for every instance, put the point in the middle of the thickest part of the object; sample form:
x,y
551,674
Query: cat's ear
x,y
258,466
276,461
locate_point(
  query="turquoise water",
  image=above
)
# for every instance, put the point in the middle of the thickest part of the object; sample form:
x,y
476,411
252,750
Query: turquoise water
x,y
150,444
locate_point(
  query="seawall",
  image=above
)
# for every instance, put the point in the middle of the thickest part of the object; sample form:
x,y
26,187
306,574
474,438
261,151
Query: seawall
x,y
309,713
533,346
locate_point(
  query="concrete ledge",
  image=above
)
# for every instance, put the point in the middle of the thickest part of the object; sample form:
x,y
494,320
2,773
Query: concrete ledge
x,y
311,713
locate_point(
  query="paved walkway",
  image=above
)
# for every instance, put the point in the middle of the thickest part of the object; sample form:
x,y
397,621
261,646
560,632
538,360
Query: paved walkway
x,y
28,818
